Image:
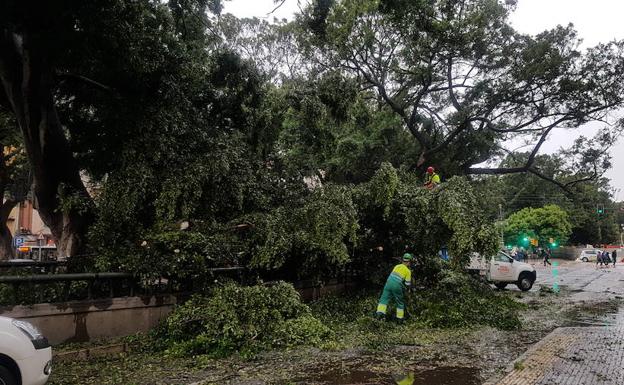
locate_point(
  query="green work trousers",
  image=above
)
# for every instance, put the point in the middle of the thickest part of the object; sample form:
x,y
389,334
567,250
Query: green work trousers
x,y
393,290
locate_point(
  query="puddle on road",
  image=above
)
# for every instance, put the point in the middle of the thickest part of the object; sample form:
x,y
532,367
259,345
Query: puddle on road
x,y
607,314
437,376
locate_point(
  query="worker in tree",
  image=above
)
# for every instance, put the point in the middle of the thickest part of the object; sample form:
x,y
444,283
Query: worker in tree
x,y
399,280
431,178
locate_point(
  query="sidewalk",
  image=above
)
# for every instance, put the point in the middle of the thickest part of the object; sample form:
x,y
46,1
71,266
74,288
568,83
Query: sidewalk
x,y
572,356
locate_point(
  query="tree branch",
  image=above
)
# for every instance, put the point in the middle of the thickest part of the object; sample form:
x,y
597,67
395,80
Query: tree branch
x,y
276,8
496,170
85,80
10,69
393,105
551,180
449,78
448,139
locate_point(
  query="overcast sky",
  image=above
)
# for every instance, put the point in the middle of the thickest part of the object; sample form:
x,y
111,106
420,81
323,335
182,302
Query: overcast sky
x,y
595,20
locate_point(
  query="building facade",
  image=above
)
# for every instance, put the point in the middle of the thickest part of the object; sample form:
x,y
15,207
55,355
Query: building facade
x,y
27,227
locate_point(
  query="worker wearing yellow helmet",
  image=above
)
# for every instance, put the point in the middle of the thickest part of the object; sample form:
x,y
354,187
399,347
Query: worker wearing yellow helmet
x,y
399,279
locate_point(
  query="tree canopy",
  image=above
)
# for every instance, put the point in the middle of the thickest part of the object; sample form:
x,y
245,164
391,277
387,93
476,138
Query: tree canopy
x,y
549,225
297,148
461,79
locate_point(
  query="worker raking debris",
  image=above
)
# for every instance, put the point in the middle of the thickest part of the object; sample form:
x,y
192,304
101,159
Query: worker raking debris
x,y
398,281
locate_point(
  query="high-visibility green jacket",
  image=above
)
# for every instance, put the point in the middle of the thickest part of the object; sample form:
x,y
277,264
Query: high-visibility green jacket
x,y
432,180
401,275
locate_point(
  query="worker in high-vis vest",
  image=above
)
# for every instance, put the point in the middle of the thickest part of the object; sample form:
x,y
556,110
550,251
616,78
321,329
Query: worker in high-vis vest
x,y
432,179
399,280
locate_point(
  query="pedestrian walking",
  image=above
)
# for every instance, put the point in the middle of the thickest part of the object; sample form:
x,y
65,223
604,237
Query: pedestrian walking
x,y
399,280
599,258
524,254
546,255
614,255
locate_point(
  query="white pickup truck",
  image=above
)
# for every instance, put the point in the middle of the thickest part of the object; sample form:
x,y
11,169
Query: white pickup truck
x,y
501,270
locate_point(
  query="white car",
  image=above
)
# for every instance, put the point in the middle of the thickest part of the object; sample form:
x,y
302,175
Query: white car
x,y
25,354
501,270
588,255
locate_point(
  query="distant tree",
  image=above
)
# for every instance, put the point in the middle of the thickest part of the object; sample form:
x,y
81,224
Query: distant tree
x,y
541,223
587,190
271,46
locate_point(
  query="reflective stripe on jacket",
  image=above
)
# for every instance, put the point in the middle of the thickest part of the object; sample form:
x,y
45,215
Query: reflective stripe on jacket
x,y
401,274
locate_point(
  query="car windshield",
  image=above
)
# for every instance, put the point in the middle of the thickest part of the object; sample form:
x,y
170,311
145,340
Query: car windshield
x,y
501,257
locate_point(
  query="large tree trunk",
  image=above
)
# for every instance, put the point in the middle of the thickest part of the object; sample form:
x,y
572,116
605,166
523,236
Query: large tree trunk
x,y
6,206
62,199
6,244
6,238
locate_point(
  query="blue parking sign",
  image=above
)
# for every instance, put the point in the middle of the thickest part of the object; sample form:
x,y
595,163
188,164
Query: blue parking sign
x,y
19,241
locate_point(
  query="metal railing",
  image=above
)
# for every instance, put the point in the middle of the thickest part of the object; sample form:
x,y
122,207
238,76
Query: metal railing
x,y
62,287
42,288
34,266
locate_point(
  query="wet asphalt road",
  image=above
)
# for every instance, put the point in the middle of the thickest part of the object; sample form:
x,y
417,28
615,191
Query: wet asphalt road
x,y
585,279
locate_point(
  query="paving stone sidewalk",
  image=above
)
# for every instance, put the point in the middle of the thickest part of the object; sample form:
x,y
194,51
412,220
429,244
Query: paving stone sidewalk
x,y
572,356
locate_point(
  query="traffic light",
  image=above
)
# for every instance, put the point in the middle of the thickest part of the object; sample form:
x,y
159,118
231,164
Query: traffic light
x,y
600,209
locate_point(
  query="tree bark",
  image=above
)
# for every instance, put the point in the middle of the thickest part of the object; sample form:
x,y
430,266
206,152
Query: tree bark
x,y
7,250
6,206
27,79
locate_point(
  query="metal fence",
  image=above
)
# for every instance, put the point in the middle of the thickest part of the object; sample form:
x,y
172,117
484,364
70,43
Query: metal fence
x,y
37,282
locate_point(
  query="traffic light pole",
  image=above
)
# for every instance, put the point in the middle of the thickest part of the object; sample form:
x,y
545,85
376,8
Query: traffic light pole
x,y
600,212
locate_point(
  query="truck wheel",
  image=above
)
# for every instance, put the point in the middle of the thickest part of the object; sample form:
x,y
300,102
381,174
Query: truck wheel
x,y
525,283
6,376
500,285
